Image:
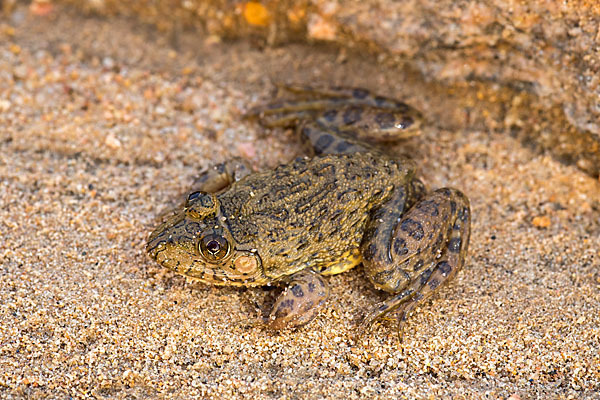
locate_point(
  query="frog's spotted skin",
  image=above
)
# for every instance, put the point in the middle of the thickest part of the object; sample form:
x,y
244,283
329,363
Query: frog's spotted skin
x,y
322,215
352,111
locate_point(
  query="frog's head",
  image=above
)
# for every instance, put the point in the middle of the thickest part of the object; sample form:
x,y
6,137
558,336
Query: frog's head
x,y
196,242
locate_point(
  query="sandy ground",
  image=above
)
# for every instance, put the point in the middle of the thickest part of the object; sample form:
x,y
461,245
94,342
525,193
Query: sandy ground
x,y
103,122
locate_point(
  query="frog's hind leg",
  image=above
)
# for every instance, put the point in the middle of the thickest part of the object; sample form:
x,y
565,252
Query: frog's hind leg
x,y
327,141
346,95
300,301
427,249
313,98
359,111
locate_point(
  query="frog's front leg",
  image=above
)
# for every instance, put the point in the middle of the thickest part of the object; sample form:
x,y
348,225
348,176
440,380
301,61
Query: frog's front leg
x,y
213,180
220,176
299,302
427,248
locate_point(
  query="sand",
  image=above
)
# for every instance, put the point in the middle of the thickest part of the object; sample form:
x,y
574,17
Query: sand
x,y
104,122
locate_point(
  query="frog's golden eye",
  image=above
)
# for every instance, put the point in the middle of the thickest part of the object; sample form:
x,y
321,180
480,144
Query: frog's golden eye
x,y
214,247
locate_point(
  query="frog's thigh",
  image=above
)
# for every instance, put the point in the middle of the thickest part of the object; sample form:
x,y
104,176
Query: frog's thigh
x,y
219,176
300,301
327,141
427,249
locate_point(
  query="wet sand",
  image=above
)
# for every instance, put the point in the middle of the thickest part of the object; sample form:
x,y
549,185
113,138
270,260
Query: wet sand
x,y
104,122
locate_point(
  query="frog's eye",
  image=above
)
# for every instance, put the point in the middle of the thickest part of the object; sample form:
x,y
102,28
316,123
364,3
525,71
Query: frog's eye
x,y
214,247
193,196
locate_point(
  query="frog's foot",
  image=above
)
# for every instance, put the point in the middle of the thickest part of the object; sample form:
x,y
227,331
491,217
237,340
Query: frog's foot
x,y
299,302
427,249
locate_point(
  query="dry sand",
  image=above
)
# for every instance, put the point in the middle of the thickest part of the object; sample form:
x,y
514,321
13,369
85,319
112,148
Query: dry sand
x,y
103,122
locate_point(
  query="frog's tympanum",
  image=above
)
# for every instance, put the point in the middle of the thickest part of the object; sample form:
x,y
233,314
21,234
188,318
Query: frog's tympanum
x,y
348,204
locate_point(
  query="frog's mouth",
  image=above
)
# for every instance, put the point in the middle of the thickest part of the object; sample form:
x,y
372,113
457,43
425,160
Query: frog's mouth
x,y
172,243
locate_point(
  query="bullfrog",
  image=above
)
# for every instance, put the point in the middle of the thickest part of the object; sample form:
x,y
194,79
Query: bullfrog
x,y
347,203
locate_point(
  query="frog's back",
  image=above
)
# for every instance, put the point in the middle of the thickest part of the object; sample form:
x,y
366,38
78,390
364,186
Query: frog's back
x,y
311,212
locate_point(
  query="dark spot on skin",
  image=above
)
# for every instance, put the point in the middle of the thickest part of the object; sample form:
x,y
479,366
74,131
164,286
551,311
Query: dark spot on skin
x,y
454,245
385,120
330,115
413,228
323,142
359,93
456,226
284,308
383,307
429,207
370,252
400,247
425,276
311,287
342,146
452,207
444,267
418,265
380,100
352,115
434,283
370,233
308,306
401,107
297,291
306,203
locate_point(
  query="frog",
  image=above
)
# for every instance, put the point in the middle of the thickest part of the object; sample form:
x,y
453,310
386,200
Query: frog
x,y
346,203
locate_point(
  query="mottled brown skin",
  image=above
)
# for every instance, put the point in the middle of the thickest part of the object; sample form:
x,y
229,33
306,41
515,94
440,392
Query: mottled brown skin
x,y
322,215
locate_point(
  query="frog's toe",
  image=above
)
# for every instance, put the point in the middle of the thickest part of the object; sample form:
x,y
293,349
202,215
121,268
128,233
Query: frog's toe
x,y
300,301
395,304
